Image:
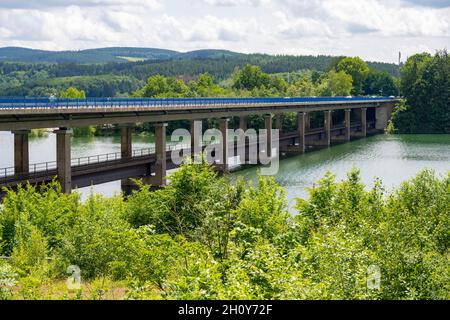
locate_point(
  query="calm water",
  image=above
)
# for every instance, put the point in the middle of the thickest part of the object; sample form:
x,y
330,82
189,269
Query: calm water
x,y
391,158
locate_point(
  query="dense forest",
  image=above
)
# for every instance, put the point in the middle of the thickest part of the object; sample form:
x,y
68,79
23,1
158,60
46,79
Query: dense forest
x,y
204,237
25,72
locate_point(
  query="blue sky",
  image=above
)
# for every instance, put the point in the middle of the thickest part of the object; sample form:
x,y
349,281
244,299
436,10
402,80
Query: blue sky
x,y
373,29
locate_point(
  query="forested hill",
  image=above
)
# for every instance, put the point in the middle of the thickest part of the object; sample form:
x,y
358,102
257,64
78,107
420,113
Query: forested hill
x,y
105,55
121,59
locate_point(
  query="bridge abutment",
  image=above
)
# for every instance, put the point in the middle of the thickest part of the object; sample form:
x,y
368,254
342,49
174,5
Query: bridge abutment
x,y
382,116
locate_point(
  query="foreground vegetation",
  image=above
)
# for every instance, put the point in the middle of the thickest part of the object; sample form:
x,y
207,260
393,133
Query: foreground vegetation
x,y
204,237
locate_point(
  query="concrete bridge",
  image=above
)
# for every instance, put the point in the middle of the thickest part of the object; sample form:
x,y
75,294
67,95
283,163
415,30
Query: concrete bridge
x,y
361,116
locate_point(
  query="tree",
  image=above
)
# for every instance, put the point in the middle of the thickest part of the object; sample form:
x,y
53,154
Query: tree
x,y
250,77
380,83
72,93
358,69
426,87
164,87
335,84
205,86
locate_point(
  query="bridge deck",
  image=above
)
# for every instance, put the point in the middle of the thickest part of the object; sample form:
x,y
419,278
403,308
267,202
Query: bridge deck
x,y
25,114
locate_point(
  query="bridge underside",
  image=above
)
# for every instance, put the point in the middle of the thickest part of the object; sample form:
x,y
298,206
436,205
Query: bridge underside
x,y
144,166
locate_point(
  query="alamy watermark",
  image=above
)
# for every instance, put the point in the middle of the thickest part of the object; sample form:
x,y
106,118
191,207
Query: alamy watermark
x,y
243,147
374,277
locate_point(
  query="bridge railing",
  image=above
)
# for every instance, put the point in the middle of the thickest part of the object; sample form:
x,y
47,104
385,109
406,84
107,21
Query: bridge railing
x,y
55,103
50,166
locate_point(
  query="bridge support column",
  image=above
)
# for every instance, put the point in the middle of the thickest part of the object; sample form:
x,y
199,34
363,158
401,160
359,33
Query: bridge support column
x,y
361,116
243,123
347,124
279,122
126,152
243,155
328,123
160,168
63,159
126,147
196,138
268,127
301,127
347,127
301,123
307,121
223,127
21,152
364,122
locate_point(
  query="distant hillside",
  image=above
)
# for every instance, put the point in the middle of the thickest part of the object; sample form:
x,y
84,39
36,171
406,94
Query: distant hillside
x,y
105,55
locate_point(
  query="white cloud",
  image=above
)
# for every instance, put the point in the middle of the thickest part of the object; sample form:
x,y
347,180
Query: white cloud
x,y
374,29
235,3
42,4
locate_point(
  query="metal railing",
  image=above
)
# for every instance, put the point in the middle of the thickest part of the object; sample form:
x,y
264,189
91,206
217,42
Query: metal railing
x,y
55,103
50,166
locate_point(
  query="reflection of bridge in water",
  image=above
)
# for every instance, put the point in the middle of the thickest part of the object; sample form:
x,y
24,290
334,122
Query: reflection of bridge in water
x,y
360,116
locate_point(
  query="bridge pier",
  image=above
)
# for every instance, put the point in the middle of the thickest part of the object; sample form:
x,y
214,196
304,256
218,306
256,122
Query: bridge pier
x,y
361,115
268,127
307,121
301,127
63,159
302,118
196,139
326,140
348,124
279,122
242,152
345,137
126,152
160,167
21,152
222,166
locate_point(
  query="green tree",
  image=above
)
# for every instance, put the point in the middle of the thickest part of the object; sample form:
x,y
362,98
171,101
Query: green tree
x,y
250,78
72,93
335,84
164,87
380,83
205,86
426,87
357,69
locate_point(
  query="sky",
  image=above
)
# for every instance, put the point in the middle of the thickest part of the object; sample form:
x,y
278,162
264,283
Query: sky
x,y
373,29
